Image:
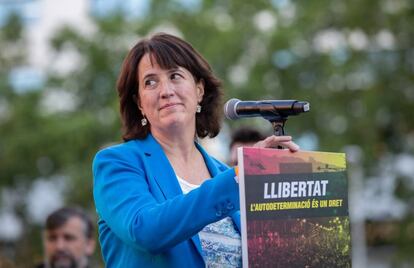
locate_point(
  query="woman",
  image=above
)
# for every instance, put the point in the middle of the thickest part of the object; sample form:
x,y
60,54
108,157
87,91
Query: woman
x,y
161,199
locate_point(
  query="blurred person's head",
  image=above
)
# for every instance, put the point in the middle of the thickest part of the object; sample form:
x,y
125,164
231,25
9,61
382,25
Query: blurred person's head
x,y
199,93
68,239
243,136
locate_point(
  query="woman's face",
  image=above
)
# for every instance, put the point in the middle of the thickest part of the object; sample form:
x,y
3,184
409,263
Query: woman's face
x,y
168,98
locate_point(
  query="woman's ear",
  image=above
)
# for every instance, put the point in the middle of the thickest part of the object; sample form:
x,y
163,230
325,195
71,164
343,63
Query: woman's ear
x,y
136,100
200,90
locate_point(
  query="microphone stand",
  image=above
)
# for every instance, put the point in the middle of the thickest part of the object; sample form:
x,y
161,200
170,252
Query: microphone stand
x,y
278,124
278,127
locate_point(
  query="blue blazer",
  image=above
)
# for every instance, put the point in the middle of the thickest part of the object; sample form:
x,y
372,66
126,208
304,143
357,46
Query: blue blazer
x,y
144,218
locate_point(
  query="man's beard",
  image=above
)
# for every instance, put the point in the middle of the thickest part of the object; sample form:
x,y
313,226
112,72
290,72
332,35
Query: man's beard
x,y
63,260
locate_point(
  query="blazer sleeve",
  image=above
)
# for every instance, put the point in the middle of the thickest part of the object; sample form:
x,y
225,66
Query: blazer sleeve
x,y
124,201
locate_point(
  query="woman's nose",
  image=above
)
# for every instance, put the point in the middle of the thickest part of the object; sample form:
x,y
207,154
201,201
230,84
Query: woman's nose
x,y
167,89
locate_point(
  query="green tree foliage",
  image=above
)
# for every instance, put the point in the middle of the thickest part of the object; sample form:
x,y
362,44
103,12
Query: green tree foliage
x,y
352,60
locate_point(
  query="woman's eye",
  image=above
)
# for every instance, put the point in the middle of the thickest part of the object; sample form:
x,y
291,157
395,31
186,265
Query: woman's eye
x,y
175,76
149,83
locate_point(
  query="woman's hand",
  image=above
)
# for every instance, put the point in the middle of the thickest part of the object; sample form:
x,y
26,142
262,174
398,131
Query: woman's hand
x,y
275,141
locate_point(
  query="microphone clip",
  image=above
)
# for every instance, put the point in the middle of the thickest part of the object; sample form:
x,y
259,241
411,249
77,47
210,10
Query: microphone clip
x,y
278,127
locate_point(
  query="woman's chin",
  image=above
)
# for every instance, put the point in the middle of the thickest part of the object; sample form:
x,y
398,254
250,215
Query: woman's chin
x,y
176,122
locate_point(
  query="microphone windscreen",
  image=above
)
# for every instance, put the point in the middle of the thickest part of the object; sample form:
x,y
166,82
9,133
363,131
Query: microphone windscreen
x,y
230,109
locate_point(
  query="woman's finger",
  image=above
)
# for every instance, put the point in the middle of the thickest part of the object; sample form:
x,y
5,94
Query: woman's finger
x,y
293,147
272,141
275,141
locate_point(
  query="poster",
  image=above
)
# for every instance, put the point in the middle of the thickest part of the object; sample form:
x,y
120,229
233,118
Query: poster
x,y
294,208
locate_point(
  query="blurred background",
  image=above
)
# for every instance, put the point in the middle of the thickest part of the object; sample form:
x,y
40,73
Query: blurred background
x,y
352,60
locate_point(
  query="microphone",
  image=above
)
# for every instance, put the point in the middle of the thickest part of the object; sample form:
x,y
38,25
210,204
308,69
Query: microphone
x,y
268,109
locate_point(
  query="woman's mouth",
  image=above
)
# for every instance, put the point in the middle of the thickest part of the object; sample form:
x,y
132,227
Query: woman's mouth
x,y
168,105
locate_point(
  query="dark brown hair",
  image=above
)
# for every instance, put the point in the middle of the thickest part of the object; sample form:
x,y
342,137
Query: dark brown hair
x,y
59,217
169,52
246,135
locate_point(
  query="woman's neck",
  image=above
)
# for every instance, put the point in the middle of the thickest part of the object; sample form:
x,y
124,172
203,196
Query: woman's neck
x,y
187,162
179,144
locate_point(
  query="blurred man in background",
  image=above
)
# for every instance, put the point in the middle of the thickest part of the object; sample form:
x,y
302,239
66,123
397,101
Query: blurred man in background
x,y
243,136
68,239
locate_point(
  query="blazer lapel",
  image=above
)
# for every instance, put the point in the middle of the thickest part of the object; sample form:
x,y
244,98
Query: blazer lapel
x,y
161,170
211,166
164,176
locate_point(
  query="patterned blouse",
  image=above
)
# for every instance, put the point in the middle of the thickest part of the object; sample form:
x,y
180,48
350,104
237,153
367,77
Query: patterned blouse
x,y
220,241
